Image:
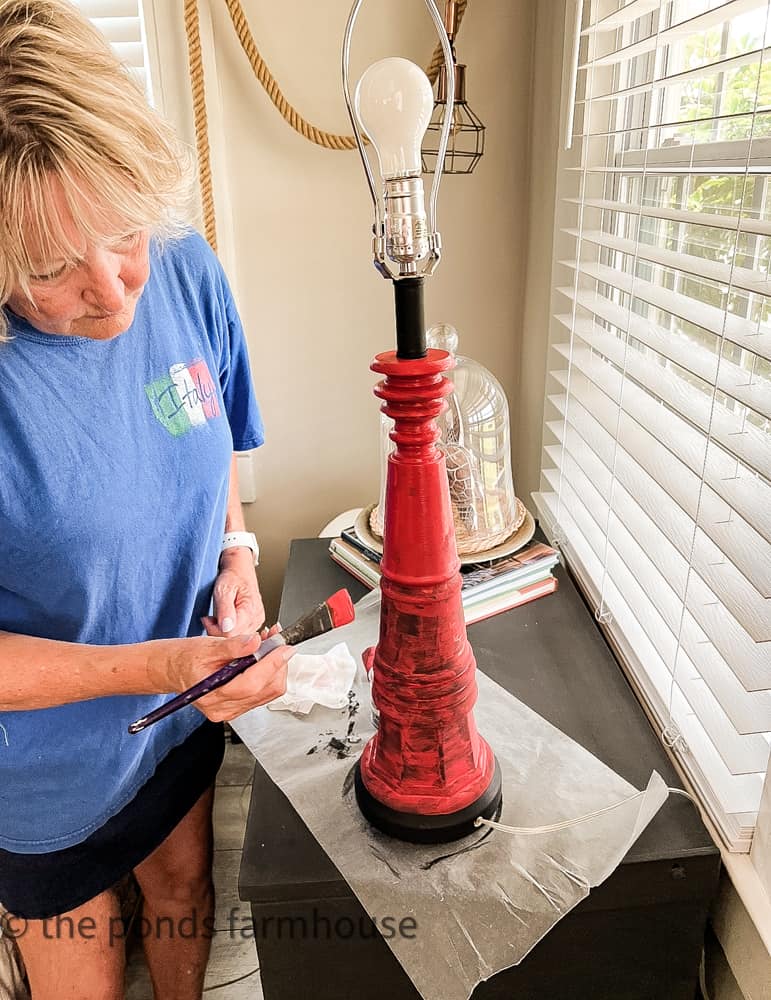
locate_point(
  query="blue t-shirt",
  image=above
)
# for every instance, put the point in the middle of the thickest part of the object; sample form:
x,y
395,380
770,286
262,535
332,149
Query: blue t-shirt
x,y
114,468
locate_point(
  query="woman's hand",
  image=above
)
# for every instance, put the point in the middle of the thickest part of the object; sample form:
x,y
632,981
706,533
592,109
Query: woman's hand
x,y
184,662
238,606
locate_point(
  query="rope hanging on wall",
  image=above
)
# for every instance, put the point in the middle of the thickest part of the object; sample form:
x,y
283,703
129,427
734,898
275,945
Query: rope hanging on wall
x,y
195,61
329,140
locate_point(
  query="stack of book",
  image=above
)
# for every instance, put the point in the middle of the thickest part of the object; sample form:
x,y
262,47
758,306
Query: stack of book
x,y
487,587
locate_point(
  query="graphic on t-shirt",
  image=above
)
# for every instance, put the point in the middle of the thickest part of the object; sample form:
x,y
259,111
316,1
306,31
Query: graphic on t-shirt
x,y
185,398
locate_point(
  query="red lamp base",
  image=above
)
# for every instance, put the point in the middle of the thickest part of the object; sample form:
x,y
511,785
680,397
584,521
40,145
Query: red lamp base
x,y
426,774
439,828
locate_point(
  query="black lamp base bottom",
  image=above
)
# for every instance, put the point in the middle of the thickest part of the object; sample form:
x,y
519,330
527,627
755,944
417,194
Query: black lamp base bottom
x,y
438,829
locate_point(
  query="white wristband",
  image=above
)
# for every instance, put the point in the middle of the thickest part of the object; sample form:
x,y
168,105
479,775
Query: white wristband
x,y
235,539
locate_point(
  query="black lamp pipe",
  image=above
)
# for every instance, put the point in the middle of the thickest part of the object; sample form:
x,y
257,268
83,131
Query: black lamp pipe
x,y
410,321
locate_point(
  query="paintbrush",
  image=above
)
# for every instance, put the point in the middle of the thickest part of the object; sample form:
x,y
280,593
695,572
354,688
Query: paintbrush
x,y
337,610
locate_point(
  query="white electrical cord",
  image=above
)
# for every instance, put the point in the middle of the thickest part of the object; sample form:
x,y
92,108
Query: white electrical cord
x,y
566,823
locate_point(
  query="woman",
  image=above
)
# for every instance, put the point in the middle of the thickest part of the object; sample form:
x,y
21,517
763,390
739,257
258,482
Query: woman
x,y
124,390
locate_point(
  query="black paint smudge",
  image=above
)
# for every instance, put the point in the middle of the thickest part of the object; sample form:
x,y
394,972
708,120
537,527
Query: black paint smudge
x,y
337,747
353,711
454,854
348,782
386,862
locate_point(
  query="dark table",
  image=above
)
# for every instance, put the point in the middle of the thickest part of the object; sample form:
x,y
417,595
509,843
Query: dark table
x,y
638,936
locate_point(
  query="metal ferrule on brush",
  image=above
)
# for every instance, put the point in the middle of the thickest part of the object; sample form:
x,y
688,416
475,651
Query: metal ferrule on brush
x,y
406,225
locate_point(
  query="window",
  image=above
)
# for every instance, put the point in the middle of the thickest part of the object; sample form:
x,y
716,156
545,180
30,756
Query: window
x,y
656,478
122,22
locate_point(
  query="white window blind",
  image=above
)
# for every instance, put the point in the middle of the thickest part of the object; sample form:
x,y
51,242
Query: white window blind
x,y
656,479
122,22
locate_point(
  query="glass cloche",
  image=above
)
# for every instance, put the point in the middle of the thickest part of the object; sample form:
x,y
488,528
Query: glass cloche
x,y
476,443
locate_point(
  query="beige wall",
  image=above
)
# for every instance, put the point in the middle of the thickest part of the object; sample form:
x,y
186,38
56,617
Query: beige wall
x,y
314,308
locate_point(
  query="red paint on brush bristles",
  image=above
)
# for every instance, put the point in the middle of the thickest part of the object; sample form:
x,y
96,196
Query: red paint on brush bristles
x,y
341,608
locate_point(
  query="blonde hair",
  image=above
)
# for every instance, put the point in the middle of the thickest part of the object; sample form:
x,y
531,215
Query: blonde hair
x,y
70,111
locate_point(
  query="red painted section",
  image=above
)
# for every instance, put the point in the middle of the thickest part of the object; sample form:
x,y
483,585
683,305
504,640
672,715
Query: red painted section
x,y
340,608
427,757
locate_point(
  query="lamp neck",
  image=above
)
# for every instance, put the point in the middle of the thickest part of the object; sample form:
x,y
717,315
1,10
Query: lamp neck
x,y
410,320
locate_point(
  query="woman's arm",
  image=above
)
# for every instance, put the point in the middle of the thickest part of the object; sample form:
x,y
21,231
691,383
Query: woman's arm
x,y
40,673
238,604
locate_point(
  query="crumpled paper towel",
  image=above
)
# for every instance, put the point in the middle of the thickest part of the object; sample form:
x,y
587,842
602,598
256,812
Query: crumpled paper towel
x,y
317,679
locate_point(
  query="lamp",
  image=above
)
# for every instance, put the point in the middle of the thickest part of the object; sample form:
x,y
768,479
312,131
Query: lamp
x,y
490,521
467,133
426,775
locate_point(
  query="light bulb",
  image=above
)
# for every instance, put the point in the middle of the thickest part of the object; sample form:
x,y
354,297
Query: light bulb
x,y
393,103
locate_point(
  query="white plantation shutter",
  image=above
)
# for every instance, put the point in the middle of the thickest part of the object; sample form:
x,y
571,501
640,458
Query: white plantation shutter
x,y
122,22
656,477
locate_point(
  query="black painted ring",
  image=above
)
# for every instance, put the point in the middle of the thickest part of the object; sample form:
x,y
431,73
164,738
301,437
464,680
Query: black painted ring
x,y
436,829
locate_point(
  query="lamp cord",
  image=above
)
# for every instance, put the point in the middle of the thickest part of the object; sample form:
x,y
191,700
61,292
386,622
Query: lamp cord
x,y
329,140
565,824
